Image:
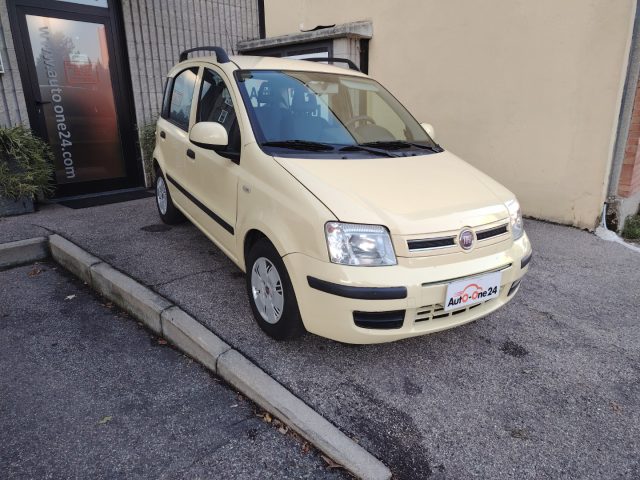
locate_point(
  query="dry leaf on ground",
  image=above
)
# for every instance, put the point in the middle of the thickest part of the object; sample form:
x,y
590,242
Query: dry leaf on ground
x,y
330,463
104,420
34,272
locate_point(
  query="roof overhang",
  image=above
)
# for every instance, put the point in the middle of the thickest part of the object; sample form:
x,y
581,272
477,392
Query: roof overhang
x,y
355,30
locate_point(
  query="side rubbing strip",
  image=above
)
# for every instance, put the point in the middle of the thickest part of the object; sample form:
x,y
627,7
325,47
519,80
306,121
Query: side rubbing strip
x,y
360,293
201,205
525,261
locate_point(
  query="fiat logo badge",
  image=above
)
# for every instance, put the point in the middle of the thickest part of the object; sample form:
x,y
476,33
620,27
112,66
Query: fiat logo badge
x,y
465,239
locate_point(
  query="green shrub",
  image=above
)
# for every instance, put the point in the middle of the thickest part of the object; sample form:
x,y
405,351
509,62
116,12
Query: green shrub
x,y
631,228
26,164
147,144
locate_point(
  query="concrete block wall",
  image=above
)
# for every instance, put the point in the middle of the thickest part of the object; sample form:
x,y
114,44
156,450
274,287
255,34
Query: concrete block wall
x,y
13,109
158,30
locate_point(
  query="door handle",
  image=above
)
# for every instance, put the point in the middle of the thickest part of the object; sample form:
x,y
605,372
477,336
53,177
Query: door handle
x,y
191,153
162,134
40,104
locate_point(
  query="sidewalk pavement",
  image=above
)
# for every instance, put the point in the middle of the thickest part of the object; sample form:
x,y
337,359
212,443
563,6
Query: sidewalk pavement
x,y
547,387
85,392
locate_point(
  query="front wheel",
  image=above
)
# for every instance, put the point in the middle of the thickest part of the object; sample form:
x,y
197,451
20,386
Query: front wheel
x,y
169,214
271,294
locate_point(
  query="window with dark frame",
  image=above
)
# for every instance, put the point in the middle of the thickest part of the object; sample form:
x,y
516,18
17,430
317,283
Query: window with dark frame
x,y
181,98
216,105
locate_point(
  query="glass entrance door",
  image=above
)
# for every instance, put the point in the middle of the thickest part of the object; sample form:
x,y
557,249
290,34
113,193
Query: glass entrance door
x,y
77,99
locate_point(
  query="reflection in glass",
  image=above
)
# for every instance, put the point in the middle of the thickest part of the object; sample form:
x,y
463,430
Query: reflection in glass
x,y
72,64
182,96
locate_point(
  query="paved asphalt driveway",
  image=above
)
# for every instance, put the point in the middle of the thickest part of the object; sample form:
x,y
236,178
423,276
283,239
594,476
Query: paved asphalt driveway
x,y
87,393
547,387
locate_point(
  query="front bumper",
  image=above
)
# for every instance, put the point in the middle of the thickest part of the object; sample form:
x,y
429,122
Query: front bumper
x,y
329,294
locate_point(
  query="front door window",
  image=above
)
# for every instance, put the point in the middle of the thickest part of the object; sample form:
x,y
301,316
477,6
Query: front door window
x,y
216,105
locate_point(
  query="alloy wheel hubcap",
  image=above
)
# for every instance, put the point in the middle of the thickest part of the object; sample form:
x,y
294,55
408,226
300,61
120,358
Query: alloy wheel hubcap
x,y
266,287
161,195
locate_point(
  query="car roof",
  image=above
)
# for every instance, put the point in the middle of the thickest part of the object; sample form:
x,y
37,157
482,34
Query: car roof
x,y
249,62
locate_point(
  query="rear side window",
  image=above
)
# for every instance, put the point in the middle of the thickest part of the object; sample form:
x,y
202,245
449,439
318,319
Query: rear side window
x,y
181,97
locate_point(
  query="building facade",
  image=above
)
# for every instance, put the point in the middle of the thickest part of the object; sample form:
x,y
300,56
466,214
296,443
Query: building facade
x,y
87,75
543,96
540,95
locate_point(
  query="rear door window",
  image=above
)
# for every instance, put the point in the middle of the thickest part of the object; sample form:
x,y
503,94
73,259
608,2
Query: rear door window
x,y
182,97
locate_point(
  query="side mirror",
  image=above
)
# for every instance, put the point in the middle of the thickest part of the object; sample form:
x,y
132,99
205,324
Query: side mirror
x,y
209,135
429,129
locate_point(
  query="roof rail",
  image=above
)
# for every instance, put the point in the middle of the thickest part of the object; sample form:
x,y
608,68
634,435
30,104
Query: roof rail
x,y
352,66
221,54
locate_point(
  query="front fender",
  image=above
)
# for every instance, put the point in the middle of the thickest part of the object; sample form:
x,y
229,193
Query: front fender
x,y
274,202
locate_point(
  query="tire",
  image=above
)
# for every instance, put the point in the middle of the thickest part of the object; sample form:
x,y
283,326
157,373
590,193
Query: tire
x,y
168,212
271,294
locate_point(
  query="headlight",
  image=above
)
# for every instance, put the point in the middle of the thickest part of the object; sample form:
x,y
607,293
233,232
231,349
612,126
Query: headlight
x,y
354,244
517,227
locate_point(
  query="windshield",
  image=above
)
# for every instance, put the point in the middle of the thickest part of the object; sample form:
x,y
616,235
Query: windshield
x,y
325,112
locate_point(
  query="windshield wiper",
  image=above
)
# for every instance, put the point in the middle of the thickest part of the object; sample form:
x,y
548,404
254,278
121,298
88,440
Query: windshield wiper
x,y
299,145
366,148
402,144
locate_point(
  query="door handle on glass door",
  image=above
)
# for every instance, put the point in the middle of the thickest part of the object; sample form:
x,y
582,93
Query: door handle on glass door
x,y
39,104
191,153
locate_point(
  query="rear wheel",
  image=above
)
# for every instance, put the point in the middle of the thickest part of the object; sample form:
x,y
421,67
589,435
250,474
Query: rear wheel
x,y
167,210
271,294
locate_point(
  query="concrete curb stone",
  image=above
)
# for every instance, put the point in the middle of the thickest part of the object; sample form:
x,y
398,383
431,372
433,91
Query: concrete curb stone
x,y
190,336
253,382
72,257
17,253
129,295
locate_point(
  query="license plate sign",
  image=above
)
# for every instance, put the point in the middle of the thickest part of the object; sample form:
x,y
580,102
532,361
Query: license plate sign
x,y
469,291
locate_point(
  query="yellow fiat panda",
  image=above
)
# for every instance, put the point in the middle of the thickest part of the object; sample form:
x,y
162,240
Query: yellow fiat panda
x,y
349,220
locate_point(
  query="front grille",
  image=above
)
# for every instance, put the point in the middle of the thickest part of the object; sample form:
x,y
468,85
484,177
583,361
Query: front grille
x,y
436,311
425,244
491,232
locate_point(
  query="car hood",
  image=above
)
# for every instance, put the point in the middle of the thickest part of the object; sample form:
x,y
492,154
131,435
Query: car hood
x,y
409,195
